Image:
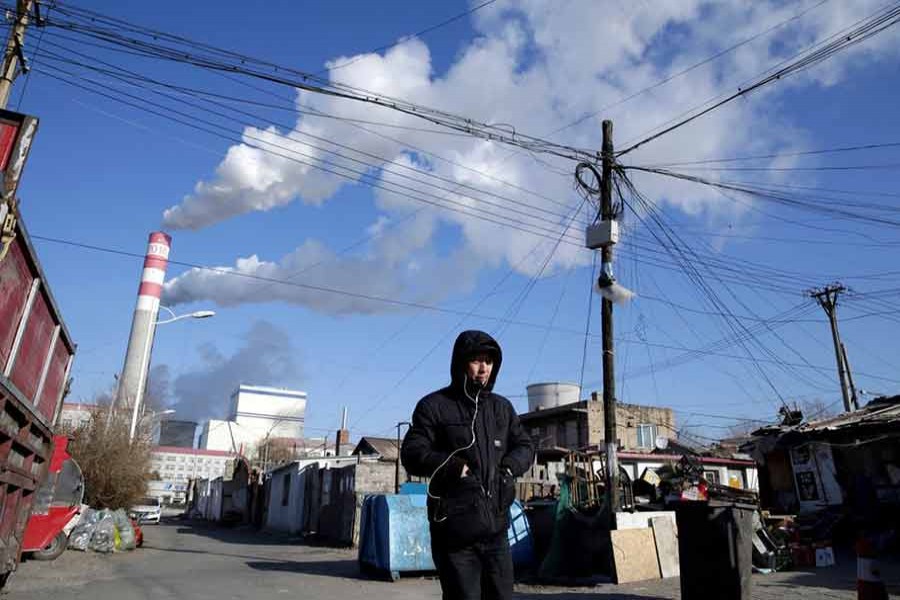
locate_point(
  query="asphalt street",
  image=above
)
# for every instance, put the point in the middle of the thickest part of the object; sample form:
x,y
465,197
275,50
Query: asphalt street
x,y
198,561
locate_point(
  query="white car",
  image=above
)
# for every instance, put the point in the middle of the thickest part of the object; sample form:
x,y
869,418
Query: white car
x,y
148,510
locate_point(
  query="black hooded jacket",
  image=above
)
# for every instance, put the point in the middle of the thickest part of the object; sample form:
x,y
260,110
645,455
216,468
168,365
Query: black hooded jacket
x,y
442,423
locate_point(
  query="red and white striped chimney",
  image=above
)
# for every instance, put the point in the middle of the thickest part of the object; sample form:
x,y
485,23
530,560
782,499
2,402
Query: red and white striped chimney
x,y
132,382
155,262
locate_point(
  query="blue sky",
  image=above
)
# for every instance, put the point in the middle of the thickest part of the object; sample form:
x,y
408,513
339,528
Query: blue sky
x,y
103,173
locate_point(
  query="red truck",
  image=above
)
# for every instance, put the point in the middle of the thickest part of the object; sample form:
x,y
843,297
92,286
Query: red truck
x,y
36,353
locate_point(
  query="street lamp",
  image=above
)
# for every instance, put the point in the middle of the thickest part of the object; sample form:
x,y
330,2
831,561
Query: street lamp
x,y
153,416
198,314
142,380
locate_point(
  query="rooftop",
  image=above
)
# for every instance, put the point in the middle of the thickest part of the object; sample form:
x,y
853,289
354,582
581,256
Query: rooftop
x,y
580,406
262,389
196,451
78,406
880,412
384,447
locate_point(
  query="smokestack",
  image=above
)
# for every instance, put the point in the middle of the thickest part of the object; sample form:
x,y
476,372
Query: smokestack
x,y
343,436
133,381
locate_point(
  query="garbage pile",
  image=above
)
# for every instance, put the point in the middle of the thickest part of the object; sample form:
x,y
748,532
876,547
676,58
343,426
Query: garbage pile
x,y
105,531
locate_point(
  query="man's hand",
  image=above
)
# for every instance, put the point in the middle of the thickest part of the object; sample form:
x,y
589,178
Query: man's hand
x,y
465,472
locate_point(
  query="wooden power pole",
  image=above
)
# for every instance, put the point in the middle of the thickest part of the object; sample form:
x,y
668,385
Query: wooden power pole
x,y
14,52
606,325
827,298
602,235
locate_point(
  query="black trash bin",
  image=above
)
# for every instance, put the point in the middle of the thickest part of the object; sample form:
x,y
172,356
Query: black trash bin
x,y
715,545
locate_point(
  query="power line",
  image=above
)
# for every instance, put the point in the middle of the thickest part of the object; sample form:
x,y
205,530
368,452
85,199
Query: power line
x,y
132,78
796,202
215,59
881,167
425,31
512,202
778,155
706,61
859,32
332,168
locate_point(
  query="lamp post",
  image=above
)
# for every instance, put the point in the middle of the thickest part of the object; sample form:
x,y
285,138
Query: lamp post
x,y
155,416
142,380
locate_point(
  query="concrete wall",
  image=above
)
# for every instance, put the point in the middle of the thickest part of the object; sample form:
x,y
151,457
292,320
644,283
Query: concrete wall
x,y
289,517
328,501
220,435
269,411
582,425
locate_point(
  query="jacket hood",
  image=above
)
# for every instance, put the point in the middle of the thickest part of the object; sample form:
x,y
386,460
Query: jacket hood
x,y
468,344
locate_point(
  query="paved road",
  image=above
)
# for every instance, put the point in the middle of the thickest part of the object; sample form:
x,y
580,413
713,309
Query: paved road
x,y
194,561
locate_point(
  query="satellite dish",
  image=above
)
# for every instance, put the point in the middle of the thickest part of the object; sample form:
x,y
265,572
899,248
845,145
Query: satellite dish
x,y
662,442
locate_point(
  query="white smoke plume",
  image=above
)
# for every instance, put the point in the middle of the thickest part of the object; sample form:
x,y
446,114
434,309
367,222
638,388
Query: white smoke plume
x,y
536,65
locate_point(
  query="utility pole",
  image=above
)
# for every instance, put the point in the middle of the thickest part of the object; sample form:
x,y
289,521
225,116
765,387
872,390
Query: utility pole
x,y
14,52
606,325
827,298
397,464
602,235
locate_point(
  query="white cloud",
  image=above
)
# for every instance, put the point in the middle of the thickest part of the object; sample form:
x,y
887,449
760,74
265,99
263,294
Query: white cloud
x,y
536,65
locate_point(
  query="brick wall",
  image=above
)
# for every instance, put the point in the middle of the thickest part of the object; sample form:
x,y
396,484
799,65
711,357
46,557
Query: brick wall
x,y
581,425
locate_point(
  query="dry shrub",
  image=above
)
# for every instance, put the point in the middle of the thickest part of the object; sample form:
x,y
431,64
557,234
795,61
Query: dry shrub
x,y
115,470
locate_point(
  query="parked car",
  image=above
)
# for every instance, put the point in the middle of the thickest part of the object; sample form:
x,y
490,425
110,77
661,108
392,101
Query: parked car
x,y
148,510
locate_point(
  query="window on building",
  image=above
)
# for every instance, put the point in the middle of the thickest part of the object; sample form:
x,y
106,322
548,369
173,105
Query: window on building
x,y
711,476
646,435
286,489
170,459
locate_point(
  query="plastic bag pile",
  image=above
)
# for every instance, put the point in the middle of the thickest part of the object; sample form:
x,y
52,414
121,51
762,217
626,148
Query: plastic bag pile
x,y
103,531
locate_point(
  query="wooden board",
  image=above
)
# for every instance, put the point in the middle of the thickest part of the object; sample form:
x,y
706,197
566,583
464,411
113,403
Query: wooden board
x,y
634,555
666,546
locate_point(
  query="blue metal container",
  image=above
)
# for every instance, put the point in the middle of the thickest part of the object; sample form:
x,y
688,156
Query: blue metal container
x,y
519,535
395,536
414,488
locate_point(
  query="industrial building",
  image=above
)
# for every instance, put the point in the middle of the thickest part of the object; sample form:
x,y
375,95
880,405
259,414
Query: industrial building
x,y
74,415
177,433
175,466
256,414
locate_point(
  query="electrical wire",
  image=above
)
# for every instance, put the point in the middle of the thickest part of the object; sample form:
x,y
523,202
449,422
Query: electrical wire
x,y
817,152
693,67
862,30
166,47
418,34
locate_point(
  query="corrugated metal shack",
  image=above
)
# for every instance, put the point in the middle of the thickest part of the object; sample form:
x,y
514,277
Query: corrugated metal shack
x,y
223,498
849,463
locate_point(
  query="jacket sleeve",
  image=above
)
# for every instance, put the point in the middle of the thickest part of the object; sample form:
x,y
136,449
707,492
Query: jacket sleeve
x,y
418,453
520,448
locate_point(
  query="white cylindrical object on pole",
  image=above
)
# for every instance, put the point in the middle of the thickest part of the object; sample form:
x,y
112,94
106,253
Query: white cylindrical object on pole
x,y
132,383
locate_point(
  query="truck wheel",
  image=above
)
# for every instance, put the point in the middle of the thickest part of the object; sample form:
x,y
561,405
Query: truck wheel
x,y
56,547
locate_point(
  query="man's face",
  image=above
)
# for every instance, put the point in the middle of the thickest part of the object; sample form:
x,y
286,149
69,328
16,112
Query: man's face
x,y
479,368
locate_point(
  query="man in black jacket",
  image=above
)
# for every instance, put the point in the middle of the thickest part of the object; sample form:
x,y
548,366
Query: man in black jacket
x,y
469,442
